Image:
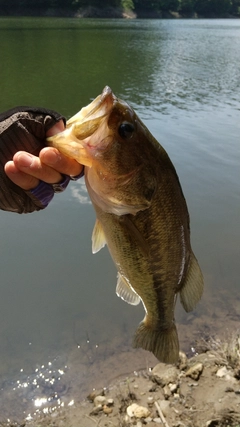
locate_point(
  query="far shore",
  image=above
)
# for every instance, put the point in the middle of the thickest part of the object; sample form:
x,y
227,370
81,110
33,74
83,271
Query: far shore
x,y
105,13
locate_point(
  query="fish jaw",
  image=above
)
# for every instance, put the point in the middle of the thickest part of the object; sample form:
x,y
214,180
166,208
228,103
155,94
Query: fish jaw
x,y
82,137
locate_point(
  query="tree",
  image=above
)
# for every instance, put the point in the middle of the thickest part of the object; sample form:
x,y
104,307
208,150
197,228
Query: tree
x,y
187,7
169,5
213,8
156,5
235,9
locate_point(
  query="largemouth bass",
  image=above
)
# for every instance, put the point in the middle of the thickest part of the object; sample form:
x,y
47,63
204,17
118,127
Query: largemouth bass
x,y
142,216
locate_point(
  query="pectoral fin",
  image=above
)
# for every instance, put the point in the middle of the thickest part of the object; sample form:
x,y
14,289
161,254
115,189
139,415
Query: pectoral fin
x,y
124,291
98,237
192,289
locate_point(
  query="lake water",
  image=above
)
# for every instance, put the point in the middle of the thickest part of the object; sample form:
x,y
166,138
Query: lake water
x,y
62,328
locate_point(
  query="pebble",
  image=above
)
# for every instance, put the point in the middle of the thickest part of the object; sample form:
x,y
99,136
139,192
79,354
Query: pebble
x,y
166,392
110,402
99,400
173,387
107,410
229,390
95,393
195,371
183,361
222,372
96,410
227,374
150,401
164,374
157,420
165,406
137,411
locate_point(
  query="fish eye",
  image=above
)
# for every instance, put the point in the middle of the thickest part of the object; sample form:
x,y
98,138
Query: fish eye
x,y
126,130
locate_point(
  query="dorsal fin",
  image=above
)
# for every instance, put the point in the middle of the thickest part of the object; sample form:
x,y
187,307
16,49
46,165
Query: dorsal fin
x,y
124,291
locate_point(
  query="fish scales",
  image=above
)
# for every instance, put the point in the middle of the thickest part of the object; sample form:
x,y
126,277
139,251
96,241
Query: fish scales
x,y
142,216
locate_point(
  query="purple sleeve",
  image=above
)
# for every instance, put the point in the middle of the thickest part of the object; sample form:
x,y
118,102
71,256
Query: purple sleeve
x,y
44,192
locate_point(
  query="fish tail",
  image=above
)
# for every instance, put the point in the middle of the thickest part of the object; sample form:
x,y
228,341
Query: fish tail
x,y
163,343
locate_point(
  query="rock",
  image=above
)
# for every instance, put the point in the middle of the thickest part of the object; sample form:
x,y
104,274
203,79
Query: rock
x,y
107,410
157,420
110,402
237,372
173,387
195,371
137,411
225,373
95,393
166,392
96,410
99,400
153,388
222,372
150,401
183,361
165,406
229,390
164,374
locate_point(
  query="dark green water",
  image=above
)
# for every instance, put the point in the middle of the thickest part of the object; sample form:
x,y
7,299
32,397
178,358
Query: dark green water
x,y
58,308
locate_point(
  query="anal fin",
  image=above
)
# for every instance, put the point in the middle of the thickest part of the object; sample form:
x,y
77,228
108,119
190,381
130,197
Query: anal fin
x,y
192,289
124,291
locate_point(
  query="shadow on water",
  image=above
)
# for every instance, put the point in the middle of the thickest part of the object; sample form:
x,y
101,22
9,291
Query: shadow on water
x,y
63,331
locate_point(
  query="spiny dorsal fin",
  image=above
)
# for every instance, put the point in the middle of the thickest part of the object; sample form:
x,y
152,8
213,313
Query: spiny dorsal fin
x,y
124,291
98,237
192,289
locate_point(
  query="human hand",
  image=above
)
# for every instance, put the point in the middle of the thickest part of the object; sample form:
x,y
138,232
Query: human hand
x,y
30,172
27,170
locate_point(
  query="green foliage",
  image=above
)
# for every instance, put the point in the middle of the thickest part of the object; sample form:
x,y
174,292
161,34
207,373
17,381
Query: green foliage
x,y
127,4
204,8
213,8
169,5
187,7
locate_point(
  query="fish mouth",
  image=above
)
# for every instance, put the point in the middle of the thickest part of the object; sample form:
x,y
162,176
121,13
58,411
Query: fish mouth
x,y
98,108
86,131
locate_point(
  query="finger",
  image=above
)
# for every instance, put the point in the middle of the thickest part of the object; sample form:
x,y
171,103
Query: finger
x,y
51,157
32,165
23,180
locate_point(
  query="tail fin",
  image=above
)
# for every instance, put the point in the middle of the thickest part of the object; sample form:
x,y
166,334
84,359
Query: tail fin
x,y
163,343
192,289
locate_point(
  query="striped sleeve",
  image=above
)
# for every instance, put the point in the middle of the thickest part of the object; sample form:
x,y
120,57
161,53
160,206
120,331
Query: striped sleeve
x,y
23,128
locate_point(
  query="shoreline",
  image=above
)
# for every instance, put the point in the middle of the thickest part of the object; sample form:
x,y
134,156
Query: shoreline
x,y
202,390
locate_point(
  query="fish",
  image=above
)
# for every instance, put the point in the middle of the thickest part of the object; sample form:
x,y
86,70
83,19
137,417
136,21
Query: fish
x,y
141,215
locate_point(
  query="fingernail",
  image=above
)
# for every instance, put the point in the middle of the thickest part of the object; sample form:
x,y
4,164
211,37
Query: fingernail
x,y
24,160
